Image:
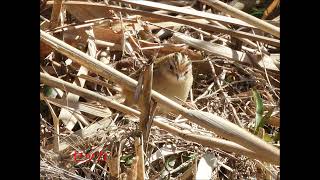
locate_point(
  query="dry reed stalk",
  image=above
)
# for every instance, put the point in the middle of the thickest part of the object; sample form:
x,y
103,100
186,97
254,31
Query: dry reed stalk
x,y
264,26
186,11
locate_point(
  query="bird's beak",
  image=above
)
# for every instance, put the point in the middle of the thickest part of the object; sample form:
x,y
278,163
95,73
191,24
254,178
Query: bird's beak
x,y
179,77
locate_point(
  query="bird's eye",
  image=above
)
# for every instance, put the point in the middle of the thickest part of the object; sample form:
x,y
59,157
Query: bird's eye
x,y
186,73
171,67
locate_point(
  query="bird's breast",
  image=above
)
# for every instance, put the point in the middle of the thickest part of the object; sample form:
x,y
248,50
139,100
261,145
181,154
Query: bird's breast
x,y
172,89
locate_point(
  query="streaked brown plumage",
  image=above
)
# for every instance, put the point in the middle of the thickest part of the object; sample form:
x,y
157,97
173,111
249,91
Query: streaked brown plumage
x,y
171,78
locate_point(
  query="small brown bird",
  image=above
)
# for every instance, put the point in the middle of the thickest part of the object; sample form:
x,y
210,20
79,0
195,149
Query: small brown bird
x,y
172,78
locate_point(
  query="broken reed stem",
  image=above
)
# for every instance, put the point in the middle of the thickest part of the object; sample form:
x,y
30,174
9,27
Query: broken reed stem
x,y
57,6
207,141
212,122
145,105
223,7
138,143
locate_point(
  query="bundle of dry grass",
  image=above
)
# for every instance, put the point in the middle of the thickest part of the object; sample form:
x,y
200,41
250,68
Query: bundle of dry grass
x,y
228,127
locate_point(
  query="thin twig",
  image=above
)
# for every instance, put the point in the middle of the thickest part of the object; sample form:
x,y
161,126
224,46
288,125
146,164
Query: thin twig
x,y
233,110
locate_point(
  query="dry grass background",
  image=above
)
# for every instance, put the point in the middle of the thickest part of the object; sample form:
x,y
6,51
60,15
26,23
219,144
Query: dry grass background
x,y
229,128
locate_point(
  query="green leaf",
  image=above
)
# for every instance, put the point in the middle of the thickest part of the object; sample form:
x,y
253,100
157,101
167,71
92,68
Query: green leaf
x,y
257,12
267,138
259,110
49,91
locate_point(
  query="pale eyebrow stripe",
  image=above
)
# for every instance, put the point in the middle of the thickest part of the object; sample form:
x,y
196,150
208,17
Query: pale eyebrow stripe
x,y
180,64
176,62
